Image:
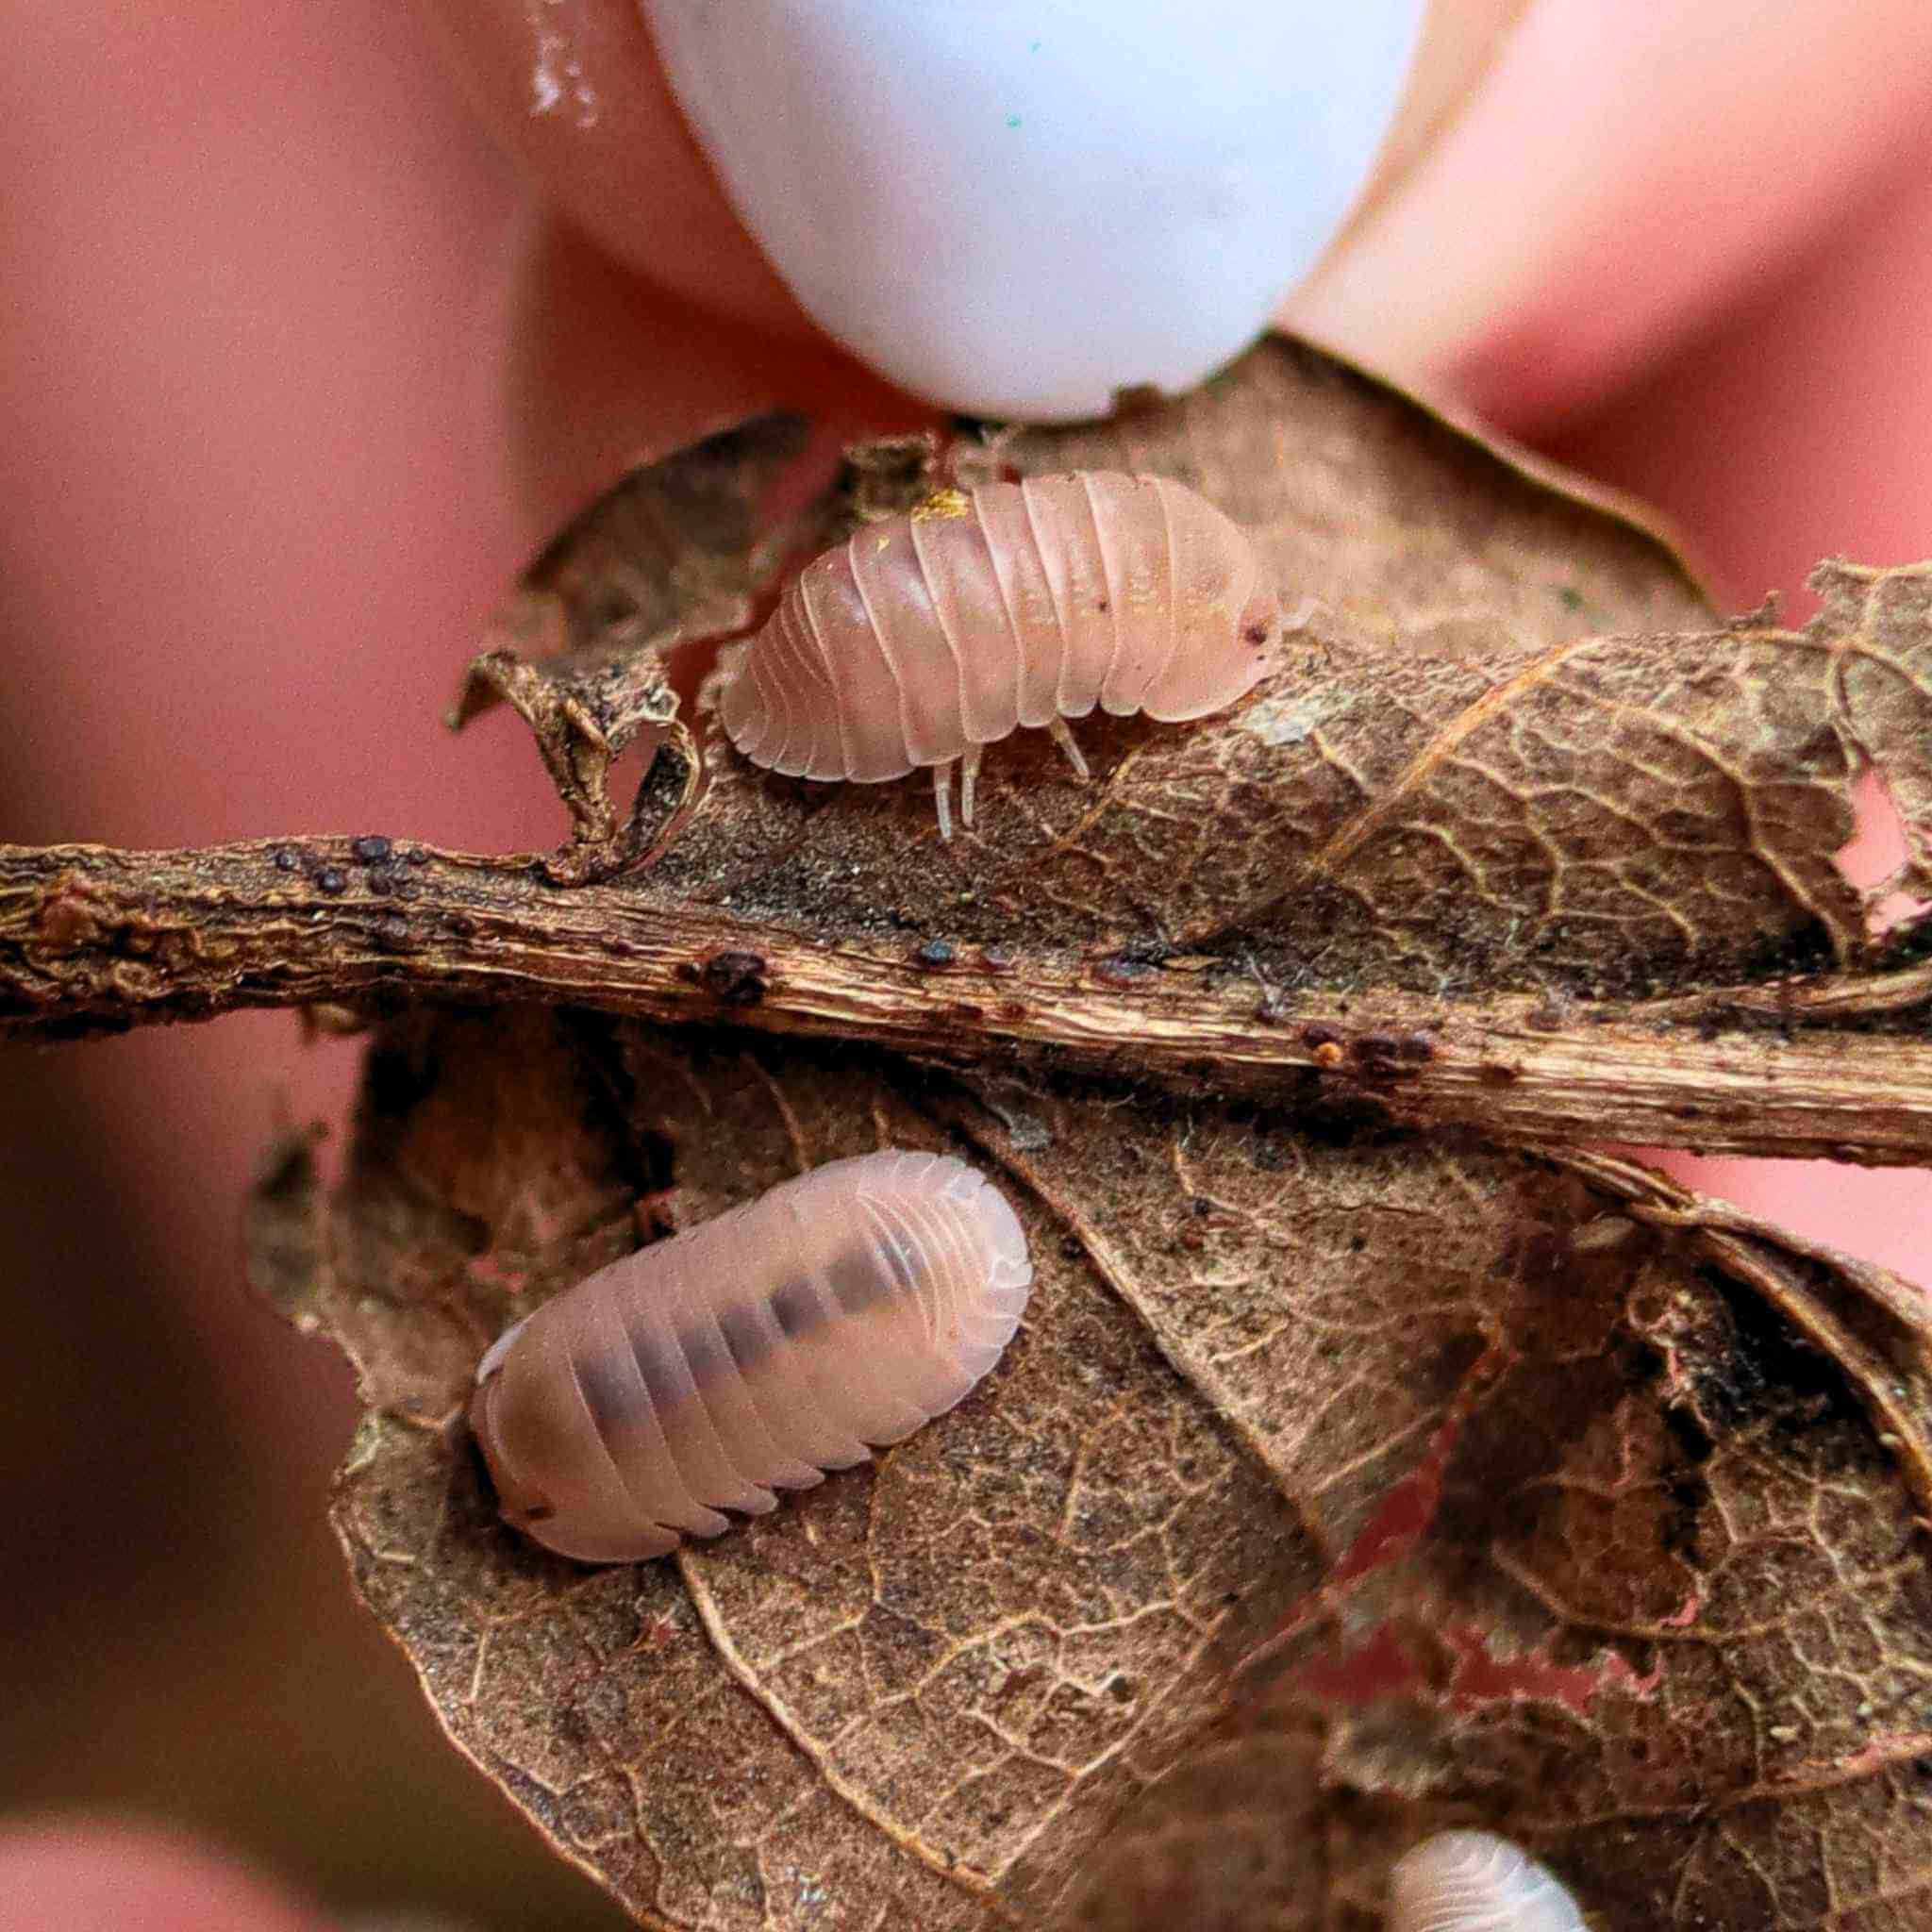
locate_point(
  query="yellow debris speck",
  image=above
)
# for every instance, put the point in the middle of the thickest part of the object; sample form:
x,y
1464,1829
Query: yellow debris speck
x,y
942,502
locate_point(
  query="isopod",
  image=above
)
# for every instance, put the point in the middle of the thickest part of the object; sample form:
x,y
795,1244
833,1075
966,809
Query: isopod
x,y
790,1335
928,636
1471,1881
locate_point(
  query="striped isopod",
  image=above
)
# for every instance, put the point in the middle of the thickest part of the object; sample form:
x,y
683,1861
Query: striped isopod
x,y
839,1311
1470,1881
929,636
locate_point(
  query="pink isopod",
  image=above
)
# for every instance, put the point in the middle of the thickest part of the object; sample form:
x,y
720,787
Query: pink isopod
x,y
928,636
838,1312
1472,1881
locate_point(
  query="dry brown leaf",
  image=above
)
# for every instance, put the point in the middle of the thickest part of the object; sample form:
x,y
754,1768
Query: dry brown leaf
x,y
1614,1502
1448,583
1344,1481
1513,748
922,1688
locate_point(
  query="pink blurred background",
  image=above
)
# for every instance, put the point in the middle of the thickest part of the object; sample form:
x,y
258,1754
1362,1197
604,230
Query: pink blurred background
x,y
257,265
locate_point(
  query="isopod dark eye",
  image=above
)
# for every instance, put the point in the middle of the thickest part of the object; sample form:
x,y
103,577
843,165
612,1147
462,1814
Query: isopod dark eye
x,y
929,636
1470,1881
836,1313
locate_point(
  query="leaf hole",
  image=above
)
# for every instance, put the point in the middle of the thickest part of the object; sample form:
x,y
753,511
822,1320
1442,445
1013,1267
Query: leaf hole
x,y
1876,859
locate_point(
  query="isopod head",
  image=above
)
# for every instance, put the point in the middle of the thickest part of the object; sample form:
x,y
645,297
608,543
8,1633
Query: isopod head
x,y
1237,633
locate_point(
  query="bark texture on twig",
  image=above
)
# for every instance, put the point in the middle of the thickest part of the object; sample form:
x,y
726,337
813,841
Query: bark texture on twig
x,y
96,940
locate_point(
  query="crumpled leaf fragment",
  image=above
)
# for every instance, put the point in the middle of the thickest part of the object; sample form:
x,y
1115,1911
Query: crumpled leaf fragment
x,y
671,551
947,1689
583,719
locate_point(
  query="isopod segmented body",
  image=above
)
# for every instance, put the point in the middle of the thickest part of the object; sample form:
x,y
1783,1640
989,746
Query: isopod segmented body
x,y
930,635
1471,1881
790,1335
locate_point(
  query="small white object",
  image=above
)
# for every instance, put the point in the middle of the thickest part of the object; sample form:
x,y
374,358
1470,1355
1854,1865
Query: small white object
x,y
1473,1881
1016,208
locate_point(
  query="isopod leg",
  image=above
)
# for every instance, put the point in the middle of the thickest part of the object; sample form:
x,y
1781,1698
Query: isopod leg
x,y
968,777
1058,731
943,797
